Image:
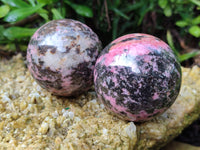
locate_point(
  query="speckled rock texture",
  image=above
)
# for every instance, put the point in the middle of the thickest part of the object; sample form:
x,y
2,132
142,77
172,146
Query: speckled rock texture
x,y
137,77
61,56
32,118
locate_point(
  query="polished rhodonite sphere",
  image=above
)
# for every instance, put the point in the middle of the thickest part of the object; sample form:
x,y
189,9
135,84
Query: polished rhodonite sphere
x,y
137,77
61,56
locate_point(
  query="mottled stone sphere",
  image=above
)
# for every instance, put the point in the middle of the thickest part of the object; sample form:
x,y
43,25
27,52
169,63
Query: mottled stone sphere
x,y
137,77
61,56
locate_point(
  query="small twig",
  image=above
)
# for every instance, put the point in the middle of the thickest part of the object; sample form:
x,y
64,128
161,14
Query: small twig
x,y
154,18
181,41
98,2
62,4
107,15
24,21
187,49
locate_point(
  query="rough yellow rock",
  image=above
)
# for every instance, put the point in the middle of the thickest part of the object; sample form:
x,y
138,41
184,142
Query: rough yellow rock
x,y
32,118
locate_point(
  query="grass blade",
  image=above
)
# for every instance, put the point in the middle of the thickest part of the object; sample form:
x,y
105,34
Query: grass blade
x,y
188,55
16,3
13,33
21,13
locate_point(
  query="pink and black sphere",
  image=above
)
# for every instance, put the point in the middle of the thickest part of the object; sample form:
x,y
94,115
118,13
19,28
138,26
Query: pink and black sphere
x,y
61,56
137,77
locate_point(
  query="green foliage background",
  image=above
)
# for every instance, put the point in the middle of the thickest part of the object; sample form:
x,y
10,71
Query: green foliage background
x,y
19,19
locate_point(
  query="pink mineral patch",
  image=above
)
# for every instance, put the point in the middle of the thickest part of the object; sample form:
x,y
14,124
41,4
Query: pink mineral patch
x,y
146,41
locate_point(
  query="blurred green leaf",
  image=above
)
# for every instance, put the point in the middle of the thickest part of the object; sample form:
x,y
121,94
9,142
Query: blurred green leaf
x,y
126,25
196,2
32,2
117,3
56,14
11,46
171,43
132,7
142,14
195,31
16,3
162,3
188,55
46,1
120,13
23,47
4,9
144,10
196,20
181,23
168,11
1,33
83,10
21,13
80,9
13,33
44,14
114,28
62,11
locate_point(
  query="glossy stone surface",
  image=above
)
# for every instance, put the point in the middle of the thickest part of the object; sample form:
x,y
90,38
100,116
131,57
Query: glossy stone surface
x,y
137,77
61,56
